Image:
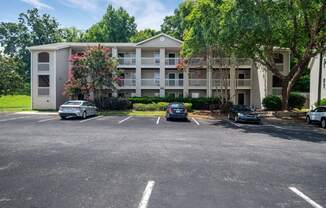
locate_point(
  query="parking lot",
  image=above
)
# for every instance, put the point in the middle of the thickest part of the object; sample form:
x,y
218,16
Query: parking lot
x,y
139,162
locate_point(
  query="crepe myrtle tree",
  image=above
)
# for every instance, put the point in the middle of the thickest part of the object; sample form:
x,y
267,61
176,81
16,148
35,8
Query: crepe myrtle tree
x,y
93,71
10,80
253,28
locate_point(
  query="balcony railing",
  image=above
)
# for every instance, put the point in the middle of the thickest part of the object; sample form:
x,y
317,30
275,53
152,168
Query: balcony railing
x,y
174,82
277,91
197,82
197,62
243,82
127,82
221,83
221,61
172,61
243,61
127,61
150,61
150,82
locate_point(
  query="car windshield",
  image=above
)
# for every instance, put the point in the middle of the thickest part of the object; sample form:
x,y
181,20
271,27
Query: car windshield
x,y
176,105
242,108
72,103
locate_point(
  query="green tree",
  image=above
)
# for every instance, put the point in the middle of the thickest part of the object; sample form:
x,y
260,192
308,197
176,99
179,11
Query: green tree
x,y
10,80
31,29
72,34
176,24
115,26
254,27
95,71
143,35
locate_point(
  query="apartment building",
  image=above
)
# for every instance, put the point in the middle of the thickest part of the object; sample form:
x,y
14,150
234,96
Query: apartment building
x,y
317,67
150,69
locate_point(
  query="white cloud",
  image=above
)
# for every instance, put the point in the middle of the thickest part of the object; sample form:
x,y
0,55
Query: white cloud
x,y
88,5
148,13
38,4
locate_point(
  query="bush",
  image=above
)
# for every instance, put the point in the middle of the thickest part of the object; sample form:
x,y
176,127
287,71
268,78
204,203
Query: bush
x,y
112,103
188,106
296,101
197,103
272,102
163,105
322,102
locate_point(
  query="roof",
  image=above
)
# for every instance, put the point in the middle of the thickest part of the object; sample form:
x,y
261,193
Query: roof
x,y
62,45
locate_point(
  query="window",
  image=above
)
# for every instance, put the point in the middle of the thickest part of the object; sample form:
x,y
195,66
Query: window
x,y
278,58
277,82
43,57
43,81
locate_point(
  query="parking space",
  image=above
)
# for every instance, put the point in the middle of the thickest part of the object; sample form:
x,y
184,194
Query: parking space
x,y
145,162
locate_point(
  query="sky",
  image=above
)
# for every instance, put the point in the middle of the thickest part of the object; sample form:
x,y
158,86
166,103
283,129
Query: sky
x,y
83,13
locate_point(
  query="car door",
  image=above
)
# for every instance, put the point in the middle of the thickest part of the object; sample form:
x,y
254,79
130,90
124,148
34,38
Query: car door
x,y
321,111
313,114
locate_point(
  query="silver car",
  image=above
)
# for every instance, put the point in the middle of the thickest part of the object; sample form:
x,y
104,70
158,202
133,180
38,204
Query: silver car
x,y
77,108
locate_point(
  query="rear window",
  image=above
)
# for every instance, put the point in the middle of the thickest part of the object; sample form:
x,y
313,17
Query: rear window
x,y
72,103
177,105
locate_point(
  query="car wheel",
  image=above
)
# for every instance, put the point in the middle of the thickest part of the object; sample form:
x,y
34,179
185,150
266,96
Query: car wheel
x,y
308,120
63,117
84,116
323,123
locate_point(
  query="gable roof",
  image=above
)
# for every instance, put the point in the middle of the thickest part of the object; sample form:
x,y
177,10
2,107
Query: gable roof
x,y
157,36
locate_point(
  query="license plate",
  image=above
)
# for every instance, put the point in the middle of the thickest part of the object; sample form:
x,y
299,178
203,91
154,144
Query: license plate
x,y
177,111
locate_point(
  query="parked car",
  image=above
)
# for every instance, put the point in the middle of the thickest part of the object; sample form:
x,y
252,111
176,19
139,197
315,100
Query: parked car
x,y
317,115
77,108
243,113
176,111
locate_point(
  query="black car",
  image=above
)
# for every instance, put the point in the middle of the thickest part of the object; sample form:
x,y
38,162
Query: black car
x,y
176,111
243,113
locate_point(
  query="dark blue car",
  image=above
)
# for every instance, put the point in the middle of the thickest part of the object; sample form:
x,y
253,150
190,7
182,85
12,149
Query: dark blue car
x,y
243,113
176,111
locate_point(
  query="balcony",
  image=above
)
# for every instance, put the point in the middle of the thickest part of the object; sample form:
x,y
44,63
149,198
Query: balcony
x,y
221,83
243,83
197,82
243,62
127,82
151,61
172,61
174,82
221,62
197,62
150,82
130,61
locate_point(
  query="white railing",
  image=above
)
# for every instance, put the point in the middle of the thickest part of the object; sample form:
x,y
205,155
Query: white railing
x,y
174,82
150,61
243,82
172,61
197,62
277,91
243,61
197,82
127,82
150,82
127,61
221,61
221,83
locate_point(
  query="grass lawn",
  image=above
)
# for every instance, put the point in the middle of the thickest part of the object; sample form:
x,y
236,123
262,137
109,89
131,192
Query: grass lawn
x,y
13,103
132,113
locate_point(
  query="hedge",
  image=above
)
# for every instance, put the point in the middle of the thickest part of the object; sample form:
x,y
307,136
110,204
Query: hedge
x,y
274,102
112,103
161,106
322,102
197,103
296,101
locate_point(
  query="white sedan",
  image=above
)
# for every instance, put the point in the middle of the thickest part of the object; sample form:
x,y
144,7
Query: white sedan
x,y
317,115
77,108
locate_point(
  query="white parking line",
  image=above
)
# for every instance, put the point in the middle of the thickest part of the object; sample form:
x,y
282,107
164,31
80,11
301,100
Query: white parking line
x,y
230,122
123,120
158,120
11,119
306,198
278,127
45,120
198,124
83,121
146,195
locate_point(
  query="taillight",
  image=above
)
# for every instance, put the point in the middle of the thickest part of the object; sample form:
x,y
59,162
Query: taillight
x,y
170,110
185,110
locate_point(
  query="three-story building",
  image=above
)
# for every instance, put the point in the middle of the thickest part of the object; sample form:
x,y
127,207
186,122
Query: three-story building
x,y
150,69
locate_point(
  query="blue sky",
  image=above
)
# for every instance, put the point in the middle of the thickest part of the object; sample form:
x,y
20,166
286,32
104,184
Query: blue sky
x,y
83,13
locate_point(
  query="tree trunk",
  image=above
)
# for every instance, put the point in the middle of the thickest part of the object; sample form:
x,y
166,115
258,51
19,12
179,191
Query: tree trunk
x,y
285,94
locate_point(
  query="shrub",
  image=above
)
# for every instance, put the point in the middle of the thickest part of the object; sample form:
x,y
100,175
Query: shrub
x,y
139,106
322,102
296,101
272,102
112,103
188,106
163,105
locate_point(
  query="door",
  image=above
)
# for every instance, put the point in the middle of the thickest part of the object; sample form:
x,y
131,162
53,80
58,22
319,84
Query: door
x,y
241,99
180,76
171,79
172,59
